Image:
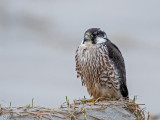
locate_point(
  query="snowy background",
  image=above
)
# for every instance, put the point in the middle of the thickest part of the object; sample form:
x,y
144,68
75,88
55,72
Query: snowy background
x,y
38,40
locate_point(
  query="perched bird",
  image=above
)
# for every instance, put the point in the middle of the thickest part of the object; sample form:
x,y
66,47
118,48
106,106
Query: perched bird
x,y
100,65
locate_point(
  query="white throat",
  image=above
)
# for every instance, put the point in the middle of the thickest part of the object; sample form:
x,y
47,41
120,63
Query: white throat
x,y
100,40
89,44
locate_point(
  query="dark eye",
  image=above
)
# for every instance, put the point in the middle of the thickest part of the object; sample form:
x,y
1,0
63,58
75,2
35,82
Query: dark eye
x,y
94,34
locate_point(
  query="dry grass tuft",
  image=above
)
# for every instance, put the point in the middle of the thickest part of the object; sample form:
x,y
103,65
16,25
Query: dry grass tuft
x,y
136,110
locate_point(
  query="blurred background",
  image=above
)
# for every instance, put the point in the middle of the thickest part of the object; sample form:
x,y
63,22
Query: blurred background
x,y
38,40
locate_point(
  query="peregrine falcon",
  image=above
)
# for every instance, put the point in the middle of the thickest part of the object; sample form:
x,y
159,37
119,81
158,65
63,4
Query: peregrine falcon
x,y
100,65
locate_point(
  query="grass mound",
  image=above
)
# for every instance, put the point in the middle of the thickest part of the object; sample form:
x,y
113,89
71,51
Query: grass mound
x,y
79,109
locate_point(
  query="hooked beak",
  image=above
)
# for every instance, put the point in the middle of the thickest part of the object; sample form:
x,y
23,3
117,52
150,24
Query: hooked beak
x,y
86,37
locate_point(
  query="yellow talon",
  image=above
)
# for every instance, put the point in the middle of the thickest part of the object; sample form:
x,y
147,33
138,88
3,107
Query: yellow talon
x,y
92,100
96,99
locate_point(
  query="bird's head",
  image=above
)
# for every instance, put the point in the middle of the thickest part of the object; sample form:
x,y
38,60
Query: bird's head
x,y
94,36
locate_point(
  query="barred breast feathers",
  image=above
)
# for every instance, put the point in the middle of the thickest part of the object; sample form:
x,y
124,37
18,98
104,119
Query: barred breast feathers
x,y
94,66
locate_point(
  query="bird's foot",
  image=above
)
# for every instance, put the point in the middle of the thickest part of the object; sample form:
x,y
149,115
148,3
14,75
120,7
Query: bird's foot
x,y
96,99
92,100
